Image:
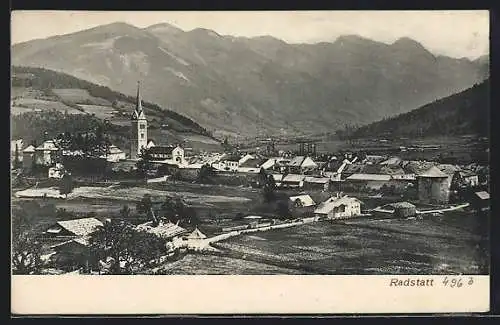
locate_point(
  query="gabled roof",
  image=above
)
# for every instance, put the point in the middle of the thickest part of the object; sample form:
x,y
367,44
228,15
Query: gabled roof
x,y
433,172
29,149
296,161
293,178
319,180
392,161
196,234
306,200
79,227
483,195
277,177
331,203
416,167
164,230
448,169
369,177
47,145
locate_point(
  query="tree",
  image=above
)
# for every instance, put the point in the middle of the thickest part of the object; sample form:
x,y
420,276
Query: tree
x,y
26,250
269,189
125,212
144,205
66,185
144,164
283,209
128,249
17,161
205,174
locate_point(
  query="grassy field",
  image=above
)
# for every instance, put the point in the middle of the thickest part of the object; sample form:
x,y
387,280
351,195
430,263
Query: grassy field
x,y
365,246
79,96
454,243
31,104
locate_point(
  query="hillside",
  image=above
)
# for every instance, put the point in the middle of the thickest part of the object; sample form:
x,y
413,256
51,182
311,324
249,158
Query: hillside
x,y
256,86
463,113
37,90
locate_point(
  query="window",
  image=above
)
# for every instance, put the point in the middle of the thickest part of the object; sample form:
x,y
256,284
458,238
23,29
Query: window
x,y
142,126
142,135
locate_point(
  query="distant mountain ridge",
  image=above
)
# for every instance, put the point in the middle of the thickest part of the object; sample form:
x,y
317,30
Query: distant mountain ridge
x,y
256,86
465,113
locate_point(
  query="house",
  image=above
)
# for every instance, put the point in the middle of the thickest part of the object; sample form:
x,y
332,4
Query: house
x,y
269,163
339,207
302,201
28,157
74,254
481,200
373,159
115,154
293,180
245,158
449,170
317,183
173,155
46,153
301,165
465,178
73,228
413,168
392,161
57,171
433,186
277,179
371,181
164,230
227,162
251,165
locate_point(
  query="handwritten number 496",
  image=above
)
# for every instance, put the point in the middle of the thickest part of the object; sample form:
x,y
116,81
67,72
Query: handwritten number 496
x,y
454,282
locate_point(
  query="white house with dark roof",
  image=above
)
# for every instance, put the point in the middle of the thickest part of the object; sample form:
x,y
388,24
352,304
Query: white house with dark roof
x,y
339,207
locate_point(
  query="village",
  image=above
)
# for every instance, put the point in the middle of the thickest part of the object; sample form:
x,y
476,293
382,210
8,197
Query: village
x,y
293,188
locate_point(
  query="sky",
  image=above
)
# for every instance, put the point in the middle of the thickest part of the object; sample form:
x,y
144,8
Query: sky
x,y
452,33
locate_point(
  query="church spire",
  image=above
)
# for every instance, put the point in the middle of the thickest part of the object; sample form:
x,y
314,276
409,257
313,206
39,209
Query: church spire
x,y
138,105
138,113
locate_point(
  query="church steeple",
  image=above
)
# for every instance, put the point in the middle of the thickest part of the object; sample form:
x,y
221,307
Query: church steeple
x,y
139,135
138,113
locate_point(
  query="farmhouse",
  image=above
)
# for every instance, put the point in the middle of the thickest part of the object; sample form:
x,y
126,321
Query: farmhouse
x,y
74,254
73,228
339,207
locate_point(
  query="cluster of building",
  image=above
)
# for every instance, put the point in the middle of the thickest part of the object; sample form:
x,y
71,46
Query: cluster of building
x,y
72,240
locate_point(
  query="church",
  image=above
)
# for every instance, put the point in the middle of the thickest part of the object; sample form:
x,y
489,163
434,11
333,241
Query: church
x,y
170,154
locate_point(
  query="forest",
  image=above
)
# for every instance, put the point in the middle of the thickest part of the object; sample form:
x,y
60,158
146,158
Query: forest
x,y
463,113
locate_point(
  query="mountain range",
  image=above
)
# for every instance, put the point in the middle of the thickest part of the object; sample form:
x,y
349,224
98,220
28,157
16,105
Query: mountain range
x,y
261,85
